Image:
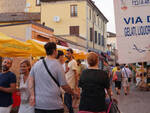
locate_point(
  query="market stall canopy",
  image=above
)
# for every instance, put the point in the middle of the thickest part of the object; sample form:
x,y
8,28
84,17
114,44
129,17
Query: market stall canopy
x,y
38,49
10,47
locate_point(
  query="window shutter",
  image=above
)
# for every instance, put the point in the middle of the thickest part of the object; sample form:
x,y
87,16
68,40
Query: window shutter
x,y
74,30
91,34
95,36
71,30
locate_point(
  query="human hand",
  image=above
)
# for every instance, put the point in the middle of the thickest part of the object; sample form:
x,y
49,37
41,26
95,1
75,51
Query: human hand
x,y
0,88
76,95
115,100
32,100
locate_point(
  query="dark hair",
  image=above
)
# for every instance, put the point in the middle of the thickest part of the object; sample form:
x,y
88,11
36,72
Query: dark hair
x,y
41,57
7,58
70,50
117,64
27,62
67,61
79,61
50,47
92,58
60,53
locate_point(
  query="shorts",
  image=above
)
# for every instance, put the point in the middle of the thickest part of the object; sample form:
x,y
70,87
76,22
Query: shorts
x,y
118,84
125,82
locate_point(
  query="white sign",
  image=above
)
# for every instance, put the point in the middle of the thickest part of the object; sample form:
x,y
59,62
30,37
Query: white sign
x,y
133,30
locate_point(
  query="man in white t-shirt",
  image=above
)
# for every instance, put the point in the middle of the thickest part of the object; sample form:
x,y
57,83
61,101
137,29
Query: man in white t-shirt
x,y
71,77
126,75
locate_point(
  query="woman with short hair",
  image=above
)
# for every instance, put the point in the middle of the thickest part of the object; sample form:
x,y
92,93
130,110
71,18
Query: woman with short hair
x,y
25,67
93,83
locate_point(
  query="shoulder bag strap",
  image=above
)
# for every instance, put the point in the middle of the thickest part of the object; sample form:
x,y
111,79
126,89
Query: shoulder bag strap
x,y
126,73
50,73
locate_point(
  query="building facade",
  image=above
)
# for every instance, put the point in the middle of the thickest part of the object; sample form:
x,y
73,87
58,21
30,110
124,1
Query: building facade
x,y
77,20
112,47
33,6
7,6
28,30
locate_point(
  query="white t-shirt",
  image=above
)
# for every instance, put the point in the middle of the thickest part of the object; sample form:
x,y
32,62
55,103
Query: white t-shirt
x,y
70,75
126,72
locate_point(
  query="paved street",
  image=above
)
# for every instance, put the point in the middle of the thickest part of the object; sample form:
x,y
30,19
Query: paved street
x,y
136,102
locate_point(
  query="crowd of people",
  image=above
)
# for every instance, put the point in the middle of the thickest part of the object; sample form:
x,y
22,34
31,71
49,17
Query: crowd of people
x,y
123,76
143,78
41,85
59,79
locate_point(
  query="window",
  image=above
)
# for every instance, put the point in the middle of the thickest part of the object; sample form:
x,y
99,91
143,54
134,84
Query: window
x,y
38,2
74,30
94,18
73,10
102,24
95,36
91,34
99,39
103,42
90,13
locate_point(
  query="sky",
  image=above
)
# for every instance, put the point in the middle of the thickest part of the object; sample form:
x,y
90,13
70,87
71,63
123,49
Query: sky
x,y
107,8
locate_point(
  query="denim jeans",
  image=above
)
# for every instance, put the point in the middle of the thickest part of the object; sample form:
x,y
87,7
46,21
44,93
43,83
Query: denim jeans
x,y
68,102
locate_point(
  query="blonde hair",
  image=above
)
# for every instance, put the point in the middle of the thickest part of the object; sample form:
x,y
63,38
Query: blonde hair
x,y
27,62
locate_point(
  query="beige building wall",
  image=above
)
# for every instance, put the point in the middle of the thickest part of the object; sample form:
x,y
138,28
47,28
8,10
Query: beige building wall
x,y
76,39
12,6
62,9
19,32
32,6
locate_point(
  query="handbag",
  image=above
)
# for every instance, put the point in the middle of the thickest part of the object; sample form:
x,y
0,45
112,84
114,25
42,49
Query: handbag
x,y
115,77
50,74
113,107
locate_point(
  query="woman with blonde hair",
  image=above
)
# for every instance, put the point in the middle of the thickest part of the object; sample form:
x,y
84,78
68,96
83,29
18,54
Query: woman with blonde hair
x,y
93,83
25,67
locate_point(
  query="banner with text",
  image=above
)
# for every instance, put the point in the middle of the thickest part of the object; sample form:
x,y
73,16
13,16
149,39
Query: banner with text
x,y
133,30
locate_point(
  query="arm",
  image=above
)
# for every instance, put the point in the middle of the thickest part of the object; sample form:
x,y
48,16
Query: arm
x,y
109,91
107,84
67,89
76,78
130,75
31,90
11,89
67,69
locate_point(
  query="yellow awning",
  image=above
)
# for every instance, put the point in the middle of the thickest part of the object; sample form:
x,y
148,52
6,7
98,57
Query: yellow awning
x,y
10,47
37,49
